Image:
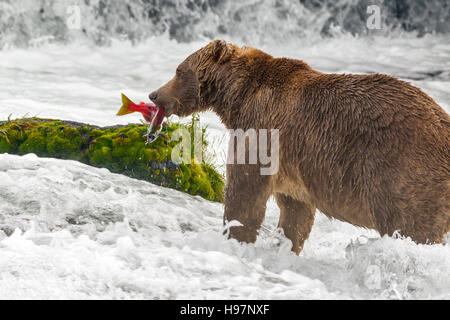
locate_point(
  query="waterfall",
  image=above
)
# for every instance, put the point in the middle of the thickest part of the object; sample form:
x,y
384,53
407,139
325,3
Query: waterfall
x,y
30,22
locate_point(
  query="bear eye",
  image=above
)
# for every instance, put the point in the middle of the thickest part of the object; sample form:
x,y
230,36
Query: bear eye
x,y
178,72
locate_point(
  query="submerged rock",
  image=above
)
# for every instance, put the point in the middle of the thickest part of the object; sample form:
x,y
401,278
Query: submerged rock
x,y
121,149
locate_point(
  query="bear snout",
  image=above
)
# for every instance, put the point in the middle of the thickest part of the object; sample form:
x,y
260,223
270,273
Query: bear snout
x,y
153,96
157,99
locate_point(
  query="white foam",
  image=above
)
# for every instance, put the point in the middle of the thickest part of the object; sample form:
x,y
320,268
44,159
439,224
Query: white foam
x,y
73,231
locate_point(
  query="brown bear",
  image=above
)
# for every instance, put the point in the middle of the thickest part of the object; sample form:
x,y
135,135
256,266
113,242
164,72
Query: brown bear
x,y
370,150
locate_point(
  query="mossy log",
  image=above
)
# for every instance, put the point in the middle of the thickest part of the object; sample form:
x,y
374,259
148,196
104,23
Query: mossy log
x,y
121,149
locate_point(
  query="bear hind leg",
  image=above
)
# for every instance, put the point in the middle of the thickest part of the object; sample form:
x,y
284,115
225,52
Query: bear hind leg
x,y
296,220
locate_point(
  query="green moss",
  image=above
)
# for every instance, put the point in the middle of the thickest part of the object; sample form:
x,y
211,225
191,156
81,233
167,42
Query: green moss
x,y
100,156
65,142
147,155
35,143
215,180
5,146
120,149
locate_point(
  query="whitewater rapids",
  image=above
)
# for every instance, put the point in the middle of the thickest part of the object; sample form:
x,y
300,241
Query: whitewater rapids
x,y
77,232
72,231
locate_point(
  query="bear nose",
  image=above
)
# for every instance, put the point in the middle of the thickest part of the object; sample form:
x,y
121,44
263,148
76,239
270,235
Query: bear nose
x,y
153,96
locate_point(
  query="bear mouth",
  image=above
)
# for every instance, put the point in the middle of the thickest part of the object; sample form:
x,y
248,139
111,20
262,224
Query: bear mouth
x,y
168,109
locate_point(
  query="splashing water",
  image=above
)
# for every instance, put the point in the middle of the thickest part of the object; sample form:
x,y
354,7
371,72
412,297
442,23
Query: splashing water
x,y
94,234
30,22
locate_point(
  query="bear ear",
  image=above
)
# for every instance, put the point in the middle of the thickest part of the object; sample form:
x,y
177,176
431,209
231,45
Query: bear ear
x,y
221,50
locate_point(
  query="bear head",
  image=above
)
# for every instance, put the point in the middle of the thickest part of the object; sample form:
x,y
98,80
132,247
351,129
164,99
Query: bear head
x,y
190,89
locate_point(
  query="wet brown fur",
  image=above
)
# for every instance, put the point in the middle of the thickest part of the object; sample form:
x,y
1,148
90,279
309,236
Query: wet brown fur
x,y
370,150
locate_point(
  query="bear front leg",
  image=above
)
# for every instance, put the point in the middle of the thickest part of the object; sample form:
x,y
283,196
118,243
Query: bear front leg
x,y
246,195
296,220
